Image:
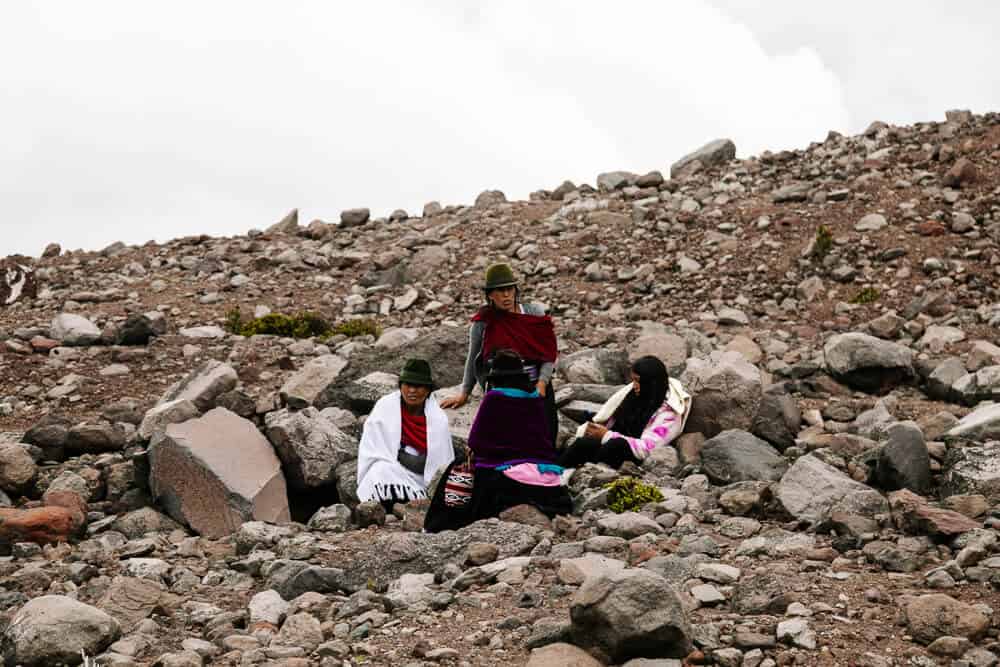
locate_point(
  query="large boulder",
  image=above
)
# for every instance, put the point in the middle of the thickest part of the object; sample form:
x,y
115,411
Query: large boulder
x,y
162,415
983,423
310,447
974,470
937,615
561,655
140,327
727,391
427,262
62,517
811,489
312,380
867,363
203,385
55,629
738,456
904,463
216,472
17,280
631,613
71,329
594,366
711,154
669,348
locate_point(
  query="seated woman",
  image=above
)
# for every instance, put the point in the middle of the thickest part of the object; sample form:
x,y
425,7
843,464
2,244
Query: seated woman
x,y
406,440
511,452
641,416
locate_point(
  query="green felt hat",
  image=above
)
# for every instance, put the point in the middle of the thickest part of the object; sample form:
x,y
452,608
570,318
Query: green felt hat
x,y
417,372
499,275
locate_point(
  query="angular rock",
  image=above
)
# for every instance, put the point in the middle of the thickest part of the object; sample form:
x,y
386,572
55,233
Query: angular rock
x,y
203,385
309,383
868,363
737,456
778,420
335,518
216,472
712,154
913,514
903,463
983,385
631,614
130,600
162,415
94,438
628,525
561,655
310,447
353,217
73,330
727,394
812,489
54,629
287,225
974,470
140,327
62,518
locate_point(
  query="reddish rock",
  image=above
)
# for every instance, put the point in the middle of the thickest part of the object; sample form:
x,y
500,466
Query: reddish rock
x,y
526,514
62,517
963,172
931,228
913,514
43,344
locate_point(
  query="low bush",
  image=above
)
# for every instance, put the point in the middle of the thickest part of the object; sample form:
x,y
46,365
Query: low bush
x,y
866,296
300,325
627,494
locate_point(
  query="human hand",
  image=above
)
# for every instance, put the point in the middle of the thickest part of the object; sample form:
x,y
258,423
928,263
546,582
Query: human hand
x,y
540,386
455,401
595,431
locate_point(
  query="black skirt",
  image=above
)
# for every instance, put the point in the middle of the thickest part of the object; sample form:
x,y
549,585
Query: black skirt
x,y
492,493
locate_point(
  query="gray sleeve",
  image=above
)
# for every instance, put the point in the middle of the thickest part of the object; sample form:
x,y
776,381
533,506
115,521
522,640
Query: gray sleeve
x,y
546,370
475,345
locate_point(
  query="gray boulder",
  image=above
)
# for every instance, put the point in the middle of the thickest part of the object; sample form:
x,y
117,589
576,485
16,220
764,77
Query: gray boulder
x,y
162,415
363,393
669,348
711,154
983,385
615,180
778,420
594,366
335,518
55,629
427,262
904,463
738,456
310,447
810,490
631,613
203,385
353,217
941,381
310,382
216,472
72,330
867,363
140,327
974,470
727,392
983,423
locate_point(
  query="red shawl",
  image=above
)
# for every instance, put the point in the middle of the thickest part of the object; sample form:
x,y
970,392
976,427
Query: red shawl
x,y
533,337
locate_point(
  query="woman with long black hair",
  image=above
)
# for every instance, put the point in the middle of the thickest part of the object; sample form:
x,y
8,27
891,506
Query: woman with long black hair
x,y
641,416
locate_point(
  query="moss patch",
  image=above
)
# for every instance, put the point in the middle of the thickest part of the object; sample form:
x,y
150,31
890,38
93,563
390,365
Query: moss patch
x,y
823,242
305,324
866,296
627,494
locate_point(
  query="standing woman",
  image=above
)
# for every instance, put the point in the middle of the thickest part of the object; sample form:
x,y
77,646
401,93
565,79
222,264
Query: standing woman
x,y
505,323
406,440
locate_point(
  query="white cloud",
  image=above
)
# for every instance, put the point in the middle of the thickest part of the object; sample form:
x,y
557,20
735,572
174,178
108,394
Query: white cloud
x,y
130,121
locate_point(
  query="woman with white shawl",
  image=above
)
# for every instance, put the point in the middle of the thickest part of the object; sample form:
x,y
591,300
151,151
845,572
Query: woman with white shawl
x,y
641,416
406,440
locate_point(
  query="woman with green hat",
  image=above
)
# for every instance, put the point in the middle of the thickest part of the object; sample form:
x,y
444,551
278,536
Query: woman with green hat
x,y
406,440
505,323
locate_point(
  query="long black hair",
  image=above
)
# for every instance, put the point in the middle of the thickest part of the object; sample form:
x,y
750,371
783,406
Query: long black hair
x,y
506,370
635,411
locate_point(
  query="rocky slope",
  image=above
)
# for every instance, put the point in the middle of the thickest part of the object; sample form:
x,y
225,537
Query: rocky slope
x,y
833,502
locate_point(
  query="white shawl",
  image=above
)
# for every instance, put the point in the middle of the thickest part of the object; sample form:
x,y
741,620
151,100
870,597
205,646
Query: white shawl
x,y
677,399
379,470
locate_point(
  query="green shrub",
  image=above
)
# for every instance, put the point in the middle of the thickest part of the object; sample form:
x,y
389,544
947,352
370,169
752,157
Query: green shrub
x,y
866,296
823,242
358,327
627,494
300,325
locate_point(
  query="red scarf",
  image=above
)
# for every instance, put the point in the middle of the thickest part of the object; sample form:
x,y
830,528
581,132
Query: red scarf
x,y
533,337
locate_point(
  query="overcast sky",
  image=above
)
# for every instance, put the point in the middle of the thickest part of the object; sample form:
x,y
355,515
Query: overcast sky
x,y
125,120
